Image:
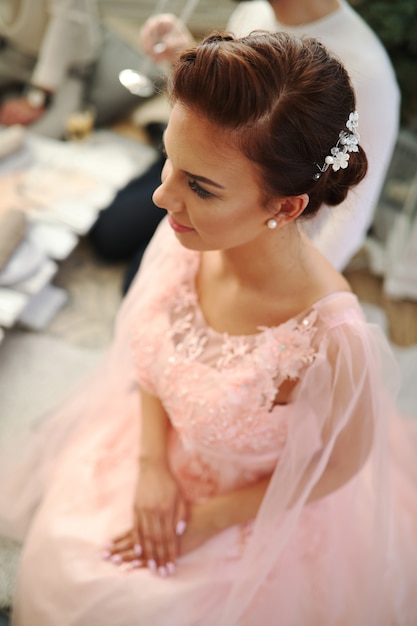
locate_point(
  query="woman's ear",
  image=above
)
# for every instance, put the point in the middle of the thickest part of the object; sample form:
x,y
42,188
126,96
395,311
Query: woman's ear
x,y
286,210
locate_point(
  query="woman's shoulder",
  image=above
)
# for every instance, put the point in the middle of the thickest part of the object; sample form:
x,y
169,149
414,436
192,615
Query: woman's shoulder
x,y
327,291
339,306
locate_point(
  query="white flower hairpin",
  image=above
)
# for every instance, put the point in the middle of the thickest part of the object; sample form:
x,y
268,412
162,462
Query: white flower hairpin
x,y
340,154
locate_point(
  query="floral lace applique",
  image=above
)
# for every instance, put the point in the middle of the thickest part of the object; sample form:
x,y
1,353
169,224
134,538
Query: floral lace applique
x,y
233,349
286,349
188,340
198,478
282,351
185,299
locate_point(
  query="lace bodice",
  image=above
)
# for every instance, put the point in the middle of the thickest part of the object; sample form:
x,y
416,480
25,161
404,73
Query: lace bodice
x,y
218,389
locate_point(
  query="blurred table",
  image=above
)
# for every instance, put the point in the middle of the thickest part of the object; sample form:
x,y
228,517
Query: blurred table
x,y
60,187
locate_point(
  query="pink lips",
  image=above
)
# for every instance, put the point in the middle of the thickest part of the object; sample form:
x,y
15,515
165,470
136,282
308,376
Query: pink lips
x,y
179,228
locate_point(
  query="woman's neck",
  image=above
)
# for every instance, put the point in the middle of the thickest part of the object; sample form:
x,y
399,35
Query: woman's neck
x,y
264,284
261,265
299,12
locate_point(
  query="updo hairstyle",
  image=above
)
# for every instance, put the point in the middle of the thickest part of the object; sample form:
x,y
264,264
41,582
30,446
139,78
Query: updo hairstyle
x,y
283,100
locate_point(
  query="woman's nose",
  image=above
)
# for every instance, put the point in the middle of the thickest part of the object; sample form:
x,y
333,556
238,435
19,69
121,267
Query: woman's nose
x,y
165,196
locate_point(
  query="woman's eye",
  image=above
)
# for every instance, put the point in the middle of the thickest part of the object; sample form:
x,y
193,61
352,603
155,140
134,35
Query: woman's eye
x,y
200,191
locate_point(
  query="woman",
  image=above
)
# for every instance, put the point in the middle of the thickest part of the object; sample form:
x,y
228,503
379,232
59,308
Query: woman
x,y
229,463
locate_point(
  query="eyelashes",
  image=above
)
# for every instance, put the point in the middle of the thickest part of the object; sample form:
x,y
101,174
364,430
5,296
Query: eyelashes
x,y
193,184
200,191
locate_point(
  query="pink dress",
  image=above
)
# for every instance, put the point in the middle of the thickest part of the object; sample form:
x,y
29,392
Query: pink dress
x,y
348,559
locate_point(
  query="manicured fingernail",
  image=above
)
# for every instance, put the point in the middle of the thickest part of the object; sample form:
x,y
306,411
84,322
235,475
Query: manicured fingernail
x,y
106,555
162,571
134,564
116,558
109,545
180,527
137,549
152,565
171,568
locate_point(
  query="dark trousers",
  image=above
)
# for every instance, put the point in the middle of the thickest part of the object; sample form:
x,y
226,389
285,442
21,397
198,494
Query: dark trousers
x,y
123,230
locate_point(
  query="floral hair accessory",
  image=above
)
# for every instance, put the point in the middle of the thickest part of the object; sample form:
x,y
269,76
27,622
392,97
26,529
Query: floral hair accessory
x,y
348,142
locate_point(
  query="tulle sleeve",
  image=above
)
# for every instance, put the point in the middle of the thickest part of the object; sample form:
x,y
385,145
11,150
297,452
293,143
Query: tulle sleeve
x,y
335,467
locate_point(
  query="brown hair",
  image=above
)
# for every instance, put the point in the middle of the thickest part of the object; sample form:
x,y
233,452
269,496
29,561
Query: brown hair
x,y
284,100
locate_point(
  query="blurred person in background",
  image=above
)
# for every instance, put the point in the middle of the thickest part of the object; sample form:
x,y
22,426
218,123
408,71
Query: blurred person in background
x,y
57,59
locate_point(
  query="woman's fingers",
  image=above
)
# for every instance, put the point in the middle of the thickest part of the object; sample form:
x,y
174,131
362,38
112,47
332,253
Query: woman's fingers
x,y
124,550
181,516
160,543
159,560
160,520
145,529
164,539
152,543
170,544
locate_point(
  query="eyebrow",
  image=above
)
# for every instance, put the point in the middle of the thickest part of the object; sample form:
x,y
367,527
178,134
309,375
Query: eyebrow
x,y
201,179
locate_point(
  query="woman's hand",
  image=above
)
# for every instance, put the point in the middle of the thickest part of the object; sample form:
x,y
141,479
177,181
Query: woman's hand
x,y
19,111
160,518
140,548
164,37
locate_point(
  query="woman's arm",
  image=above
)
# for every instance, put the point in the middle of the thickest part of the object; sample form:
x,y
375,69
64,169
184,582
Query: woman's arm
x,y
207,518
155,426
159,505
212,516
71,36
349,453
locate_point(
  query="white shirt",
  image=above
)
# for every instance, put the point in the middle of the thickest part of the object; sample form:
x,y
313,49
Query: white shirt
x,y
340,231
59,33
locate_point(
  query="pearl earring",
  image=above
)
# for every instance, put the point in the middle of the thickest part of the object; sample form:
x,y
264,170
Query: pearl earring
x,y
272,224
